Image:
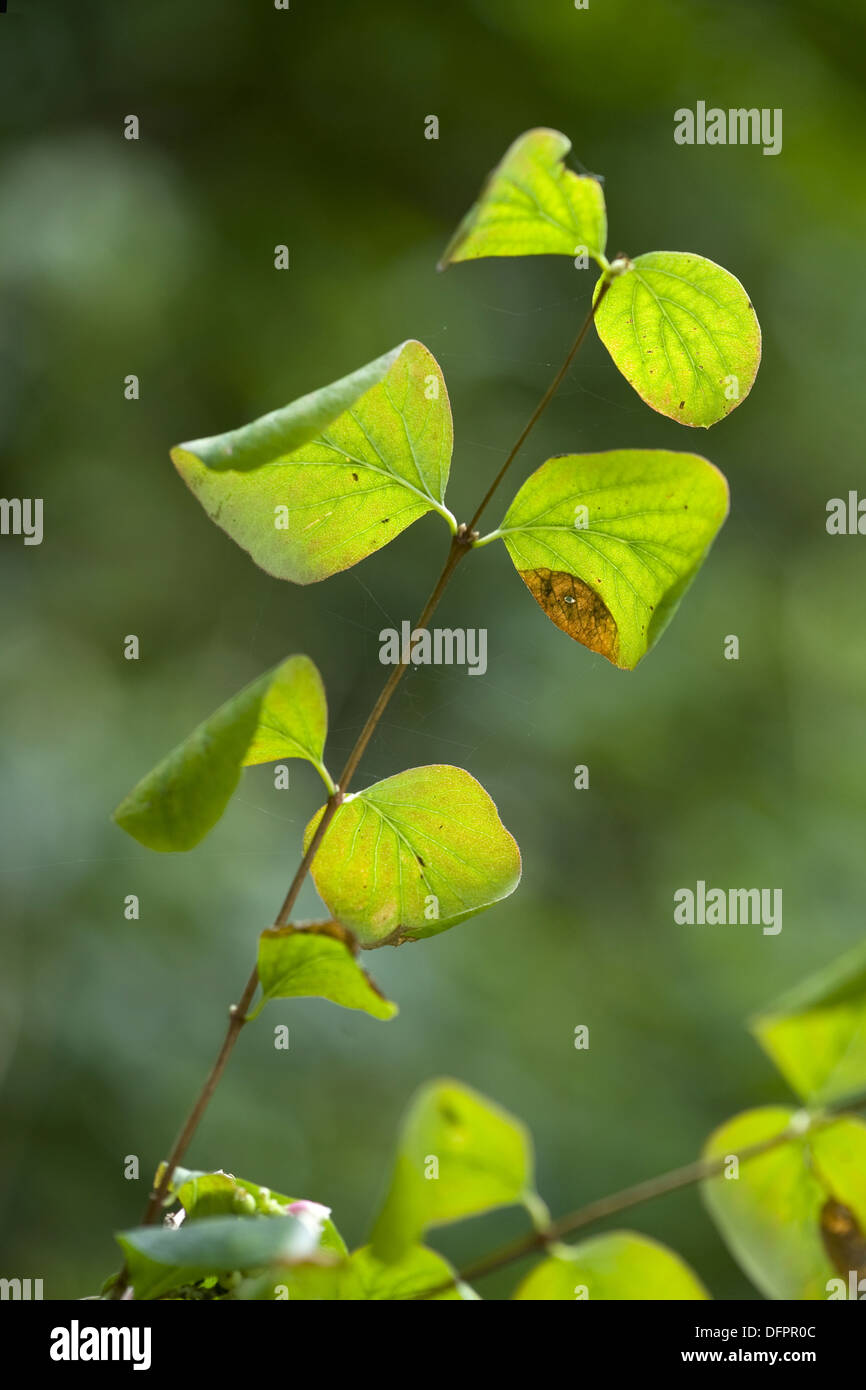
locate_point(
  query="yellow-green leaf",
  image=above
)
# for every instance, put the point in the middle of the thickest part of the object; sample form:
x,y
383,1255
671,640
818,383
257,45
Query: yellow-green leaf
x,y
458,1155
621,1266
283,714
816,1033
321,484
607,544
533,205
360,1278
316,962
413,855
683,333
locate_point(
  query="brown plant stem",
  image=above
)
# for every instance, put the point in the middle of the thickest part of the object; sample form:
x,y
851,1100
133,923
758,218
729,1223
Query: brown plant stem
x,y
461,544
542,405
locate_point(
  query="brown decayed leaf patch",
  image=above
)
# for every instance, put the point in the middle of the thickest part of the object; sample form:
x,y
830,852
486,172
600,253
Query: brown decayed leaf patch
x,y
843,1240
575,608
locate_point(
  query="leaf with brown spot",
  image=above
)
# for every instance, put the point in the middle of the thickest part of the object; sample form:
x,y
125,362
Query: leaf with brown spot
x,y
843,1239
608,543
775,1213
575,608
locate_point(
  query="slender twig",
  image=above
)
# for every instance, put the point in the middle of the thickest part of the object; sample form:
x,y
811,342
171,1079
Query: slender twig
x,y
461,544
633,1196
542,404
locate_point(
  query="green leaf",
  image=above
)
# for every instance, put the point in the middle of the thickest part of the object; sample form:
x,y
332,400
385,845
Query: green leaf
x,y
413,856
775,1216
318,486
315,961
206,1194
162,1258
607,544
620,1266
816,1033
458,1155
283,714
361,1278
532,205
683,333
371,1279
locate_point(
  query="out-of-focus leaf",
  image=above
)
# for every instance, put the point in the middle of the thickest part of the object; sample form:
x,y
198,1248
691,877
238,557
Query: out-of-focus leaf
x,y
458,1154
316,962
369,1278
203,1194
283,714
608,543
325,482
414,855
771,1214
683,333
619,1266
816,1033
162,1258
360,1278
533,205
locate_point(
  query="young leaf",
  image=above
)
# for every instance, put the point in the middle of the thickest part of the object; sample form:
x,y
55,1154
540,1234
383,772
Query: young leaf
x,y
325,482
203,1195
533,205
773,1215
683,333
283,714
413,856
607,544
620,1266
816,1033
316,962
458,1155
162,1258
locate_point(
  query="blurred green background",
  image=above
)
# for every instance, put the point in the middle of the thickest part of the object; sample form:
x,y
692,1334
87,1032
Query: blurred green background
x,y
261,127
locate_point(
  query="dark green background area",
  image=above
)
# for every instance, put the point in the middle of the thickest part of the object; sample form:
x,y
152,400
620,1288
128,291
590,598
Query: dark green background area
x,y
261,127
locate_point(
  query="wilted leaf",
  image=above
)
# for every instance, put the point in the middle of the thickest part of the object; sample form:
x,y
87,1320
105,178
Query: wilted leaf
x,y
281,715
816,1033
771,1215
620,1266
316,962
533,205
608,543
683,333
414,855
162,1258
318,486
458,1154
